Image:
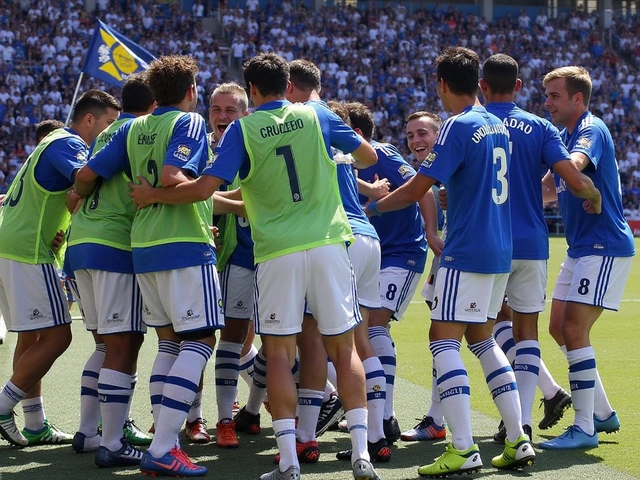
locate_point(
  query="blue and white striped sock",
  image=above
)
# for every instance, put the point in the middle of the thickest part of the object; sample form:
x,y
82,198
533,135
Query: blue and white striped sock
x,y
309,404
527,370
453,385
383,345
582,378
227,373
180,389
89,403
167,354
114,392
376,396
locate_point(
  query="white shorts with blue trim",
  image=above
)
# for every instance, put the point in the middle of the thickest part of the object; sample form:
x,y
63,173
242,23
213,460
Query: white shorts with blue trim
x,y
527,286
111,302
467,297
397,286
593,280
31,296
322,275
187,298
365,259
237,292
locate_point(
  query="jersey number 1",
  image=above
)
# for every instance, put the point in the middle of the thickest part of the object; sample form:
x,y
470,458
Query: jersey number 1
x,y
286,152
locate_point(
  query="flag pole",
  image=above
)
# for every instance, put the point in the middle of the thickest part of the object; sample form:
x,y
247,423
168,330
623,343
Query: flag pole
x,y
73,101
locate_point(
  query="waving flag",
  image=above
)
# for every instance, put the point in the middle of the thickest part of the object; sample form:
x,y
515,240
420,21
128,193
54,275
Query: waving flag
x,y
112,57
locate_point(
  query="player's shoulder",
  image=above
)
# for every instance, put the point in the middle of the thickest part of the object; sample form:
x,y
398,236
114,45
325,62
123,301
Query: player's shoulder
x,y
388,150
191,125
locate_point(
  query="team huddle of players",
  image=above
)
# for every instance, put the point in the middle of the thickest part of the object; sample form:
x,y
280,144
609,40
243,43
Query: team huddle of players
x,y
297,254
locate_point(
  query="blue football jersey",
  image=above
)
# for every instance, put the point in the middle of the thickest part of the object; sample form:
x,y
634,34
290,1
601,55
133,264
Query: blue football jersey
x,y
535,147
607,234
402,238
348,185
242,255
471,157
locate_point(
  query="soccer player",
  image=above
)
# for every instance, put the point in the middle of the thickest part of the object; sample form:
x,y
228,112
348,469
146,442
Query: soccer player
x,y
305,86
173,254
31,296
299,229
593,275
99,252
422,131
535,146
404,254
472,148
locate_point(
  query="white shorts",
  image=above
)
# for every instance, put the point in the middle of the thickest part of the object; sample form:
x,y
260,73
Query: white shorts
x,y
186,298
365,259
429,287
31,296
236,285
593,280
322,275
397,286
467,297
111,302
527,286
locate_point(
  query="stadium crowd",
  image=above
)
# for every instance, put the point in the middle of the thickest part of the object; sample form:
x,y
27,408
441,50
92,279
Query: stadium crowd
x,y
380,56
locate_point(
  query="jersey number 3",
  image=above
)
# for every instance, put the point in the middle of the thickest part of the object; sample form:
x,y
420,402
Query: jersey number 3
x,y
500,193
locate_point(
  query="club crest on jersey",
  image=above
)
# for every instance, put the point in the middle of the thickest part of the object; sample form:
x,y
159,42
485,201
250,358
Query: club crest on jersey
x,y
405,171
584,142
429,160
183,153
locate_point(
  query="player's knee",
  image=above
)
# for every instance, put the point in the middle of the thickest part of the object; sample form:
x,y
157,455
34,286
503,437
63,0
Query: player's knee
x,y
197,335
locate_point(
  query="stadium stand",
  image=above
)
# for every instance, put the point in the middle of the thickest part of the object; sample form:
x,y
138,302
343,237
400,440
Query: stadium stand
x,y
381,56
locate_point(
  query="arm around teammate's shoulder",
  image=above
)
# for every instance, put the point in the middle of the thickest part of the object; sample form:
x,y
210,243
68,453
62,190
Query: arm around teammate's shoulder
x,y
579,184
364,156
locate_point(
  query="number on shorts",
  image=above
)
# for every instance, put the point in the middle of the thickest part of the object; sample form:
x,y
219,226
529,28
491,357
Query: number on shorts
x,y
286,152
391,292
583,289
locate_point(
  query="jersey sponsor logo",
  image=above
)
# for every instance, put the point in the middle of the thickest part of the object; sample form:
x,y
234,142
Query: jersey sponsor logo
x,y
35,315
405,171
429,160
183,152
81,157
115,318
146,139
106,137
146,310
584,142
272,319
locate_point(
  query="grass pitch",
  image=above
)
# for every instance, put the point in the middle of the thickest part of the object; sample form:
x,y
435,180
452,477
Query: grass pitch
x,y
615,338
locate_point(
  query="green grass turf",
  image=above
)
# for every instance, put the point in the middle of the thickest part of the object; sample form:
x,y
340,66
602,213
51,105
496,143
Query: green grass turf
x,y
614,337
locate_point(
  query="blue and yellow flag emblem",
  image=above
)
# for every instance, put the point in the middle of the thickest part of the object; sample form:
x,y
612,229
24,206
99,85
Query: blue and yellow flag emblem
x,y
112,57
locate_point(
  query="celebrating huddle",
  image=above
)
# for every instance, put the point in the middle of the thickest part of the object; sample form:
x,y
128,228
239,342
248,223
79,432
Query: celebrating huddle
x,y
295,182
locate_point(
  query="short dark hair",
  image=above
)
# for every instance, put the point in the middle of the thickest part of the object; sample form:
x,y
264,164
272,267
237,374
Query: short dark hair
x,y
170,77
45,127
305,75
340,110
362,118
459,68
268,72
95,102
500,71
136,94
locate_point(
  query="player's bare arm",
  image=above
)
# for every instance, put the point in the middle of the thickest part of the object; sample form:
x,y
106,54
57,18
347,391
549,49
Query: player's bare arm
x,y
376,190
578,183
364,156
223,205
410,192
190,191
85,181
549,193
430,215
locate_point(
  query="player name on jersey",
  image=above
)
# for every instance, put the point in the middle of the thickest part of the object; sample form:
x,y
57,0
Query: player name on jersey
x,y
279,129
492,129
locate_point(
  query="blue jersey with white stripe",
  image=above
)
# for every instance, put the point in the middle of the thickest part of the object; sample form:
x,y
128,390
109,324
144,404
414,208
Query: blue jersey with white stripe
x,y
242,255
402,238
471,157
536,147
607,234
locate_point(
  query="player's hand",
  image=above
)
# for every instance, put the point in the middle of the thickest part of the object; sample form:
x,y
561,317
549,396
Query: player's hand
x,y
379,188
436,244
142,194
442,197
73,201
57,242
593,208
